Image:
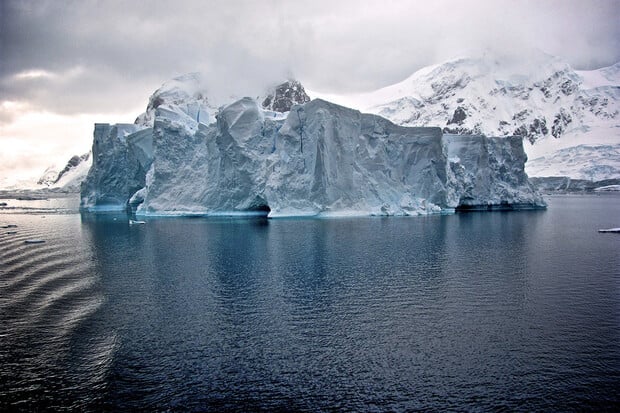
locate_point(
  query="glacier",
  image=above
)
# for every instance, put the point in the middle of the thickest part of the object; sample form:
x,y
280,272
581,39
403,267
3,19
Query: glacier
x,y
188,156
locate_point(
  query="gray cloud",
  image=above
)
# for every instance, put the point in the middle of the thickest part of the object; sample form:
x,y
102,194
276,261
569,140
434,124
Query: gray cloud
x,y
111,55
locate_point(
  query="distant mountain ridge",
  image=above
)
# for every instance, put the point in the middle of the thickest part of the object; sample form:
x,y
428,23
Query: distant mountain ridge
x,y
70,177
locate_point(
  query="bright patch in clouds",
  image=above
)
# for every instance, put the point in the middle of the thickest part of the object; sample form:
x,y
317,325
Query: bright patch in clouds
x,y
34,74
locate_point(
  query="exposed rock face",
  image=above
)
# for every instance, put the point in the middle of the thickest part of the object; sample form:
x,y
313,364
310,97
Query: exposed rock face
x,y
284,96
322,159
72,164
459,116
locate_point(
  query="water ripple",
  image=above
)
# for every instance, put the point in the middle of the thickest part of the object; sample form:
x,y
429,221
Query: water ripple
x,y
47,293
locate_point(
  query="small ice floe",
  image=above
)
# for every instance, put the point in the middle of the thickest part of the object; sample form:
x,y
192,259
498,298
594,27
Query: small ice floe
x,y
609,230
136,222
34,241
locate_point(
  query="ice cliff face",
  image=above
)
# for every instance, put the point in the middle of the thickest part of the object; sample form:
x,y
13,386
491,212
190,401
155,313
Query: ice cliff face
x,y
121,156
188,95
489,172
317,159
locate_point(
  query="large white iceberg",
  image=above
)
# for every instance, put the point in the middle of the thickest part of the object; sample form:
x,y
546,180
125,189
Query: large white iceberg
x,y
318,158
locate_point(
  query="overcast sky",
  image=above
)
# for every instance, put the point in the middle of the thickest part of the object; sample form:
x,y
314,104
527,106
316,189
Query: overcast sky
x,y
67,64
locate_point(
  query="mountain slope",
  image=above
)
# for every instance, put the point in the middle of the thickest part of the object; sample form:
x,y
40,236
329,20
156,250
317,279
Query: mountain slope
x,y
69,178
542,99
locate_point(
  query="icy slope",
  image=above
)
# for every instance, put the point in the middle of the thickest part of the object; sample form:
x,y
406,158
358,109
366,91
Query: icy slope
x,y
317,159
542,99
185,95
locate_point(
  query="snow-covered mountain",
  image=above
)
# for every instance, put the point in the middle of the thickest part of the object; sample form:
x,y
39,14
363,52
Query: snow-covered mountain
x,y
64,178
69,178
542,99
58,178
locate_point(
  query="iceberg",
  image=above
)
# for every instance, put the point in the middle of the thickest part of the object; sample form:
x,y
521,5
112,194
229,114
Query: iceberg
x,y
314,159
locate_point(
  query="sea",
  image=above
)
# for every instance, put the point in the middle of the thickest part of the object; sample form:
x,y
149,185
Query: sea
x,y
477,311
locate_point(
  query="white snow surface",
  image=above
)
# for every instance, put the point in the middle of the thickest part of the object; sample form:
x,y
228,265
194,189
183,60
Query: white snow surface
x,y
608,76
570,118
65,178
184,95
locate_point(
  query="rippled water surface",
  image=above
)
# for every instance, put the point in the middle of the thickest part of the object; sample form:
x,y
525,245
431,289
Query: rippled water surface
x,y
477,311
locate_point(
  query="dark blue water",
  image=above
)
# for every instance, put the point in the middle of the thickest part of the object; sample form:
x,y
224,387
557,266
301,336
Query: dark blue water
x,y
476,311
